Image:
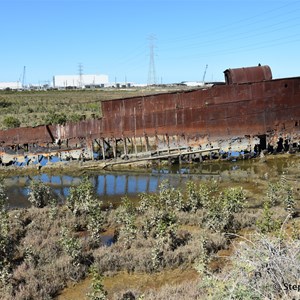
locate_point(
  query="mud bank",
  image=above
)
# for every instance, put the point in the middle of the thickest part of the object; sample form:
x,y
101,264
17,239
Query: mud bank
x,y
140,165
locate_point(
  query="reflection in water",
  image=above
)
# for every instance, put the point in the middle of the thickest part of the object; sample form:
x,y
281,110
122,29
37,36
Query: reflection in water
x,y
109,186
106,185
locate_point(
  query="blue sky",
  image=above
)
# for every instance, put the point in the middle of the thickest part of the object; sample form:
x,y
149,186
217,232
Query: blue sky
x,y
112,37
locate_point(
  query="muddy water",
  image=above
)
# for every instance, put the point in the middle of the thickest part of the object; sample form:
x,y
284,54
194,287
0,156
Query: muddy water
x,y
111,186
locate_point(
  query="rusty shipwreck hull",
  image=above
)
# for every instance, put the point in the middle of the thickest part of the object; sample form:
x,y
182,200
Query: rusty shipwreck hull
x,y
219,112
234,116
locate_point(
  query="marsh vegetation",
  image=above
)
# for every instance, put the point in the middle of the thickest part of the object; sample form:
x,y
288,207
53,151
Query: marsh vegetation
x,y
33,108
207,240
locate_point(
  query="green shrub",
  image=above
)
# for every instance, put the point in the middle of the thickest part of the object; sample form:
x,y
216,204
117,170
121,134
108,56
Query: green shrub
x,y
167,197
282,192
289,201
273,193
39,194
267,223
4,103
53,211
159,220
197,196
220,210
11,122
157,255
234,199
75,117
97,289
83,201
96,219
81,197
126,217
71,246
56,118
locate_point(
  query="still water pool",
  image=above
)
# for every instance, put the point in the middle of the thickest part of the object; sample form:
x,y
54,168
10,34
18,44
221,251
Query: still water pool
x,y
112,186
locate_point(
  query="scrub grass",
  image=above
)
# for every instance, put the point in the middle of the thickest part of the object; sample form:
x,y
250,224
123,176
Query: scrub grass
x,y
202,226
33,108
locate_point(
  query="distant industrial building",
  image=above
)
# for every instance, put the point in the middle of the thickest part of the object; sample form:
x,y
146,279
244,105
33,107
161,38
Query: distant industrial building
x,y
11,85
80,81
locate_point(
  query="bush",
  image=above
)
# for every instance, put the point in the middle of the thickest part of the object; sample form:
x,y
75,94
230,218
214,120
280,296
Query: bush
x,y
39,194
97,288
82,201
95,220
159,220
198,195
166,197
267,223
126,217
221,209
11,122
81,197
260,268
75,117
72,246
4,103
56,118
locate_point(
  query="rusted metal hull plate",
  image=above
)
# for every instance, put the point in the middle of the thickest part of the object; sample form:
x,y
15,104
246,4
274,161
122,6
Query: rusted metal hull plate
x,y
220,112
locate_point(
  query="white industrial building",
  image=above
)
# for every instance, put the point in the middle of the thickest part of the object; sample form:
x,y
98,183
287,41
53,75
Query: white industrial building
x,y
11,85
80,81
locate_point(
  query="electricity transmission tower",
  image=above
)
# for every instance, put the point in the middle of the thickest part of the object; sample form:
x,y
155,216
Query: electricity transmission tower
x,y
151,72
80,73
24,78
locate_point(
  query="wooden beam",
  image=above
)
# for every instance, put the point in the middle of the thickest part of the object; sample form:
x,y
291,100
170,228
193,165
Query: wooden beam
x,y
159,157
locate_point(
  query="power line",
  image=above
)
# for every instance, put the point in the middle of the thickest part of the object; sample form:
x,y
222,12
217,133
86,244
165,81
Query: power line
x,y
244,48
238,23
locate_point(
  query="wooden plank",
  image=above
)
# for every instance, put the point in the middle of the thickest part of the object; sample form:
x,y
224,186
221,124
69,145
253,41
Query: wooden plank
x,y
160,157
